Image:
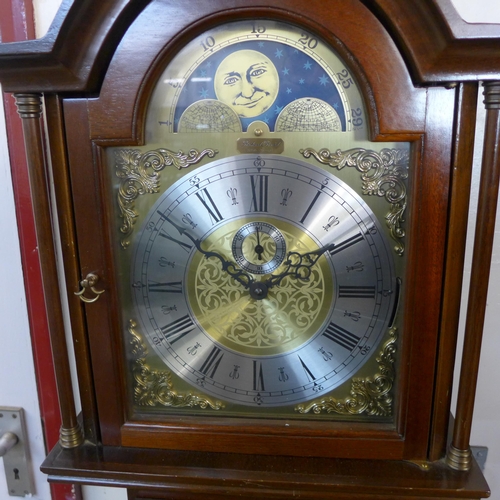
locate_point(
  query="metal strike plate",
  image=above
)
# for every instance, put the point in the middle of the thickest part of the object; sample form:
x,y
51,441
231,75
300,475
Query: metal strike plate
x,y
16,461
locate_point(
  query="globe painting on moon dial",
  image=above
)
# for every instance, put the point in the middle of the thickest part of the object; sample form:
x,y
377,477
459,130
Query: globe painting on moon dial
x,y
261,282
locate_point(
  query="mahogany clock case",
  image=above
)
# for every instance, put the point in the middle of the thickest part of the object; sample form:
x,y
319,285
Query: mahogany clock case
x,y
396,111
98,102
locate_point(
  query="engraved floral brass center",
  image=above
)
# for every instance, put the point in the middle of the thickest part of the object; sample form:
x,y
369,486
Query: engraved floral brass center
x,y
291,313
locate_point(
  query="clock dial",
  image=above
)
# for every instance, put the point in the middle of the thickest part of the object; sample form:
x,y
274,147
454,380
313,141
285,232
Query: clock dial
x,y
263,281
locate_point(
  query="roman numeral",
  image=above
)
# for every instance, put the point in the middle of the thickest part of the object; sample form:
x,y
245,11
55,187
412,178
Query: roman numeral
x,y
308,372
209,204
185,246
168,287
258,378
210,365
260,189
310,207
342,337
357,292
349,242
177,329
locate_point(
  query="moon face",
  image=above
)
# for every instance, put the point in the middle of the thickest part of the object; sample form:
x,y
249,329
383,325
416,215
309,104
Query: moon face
x,y
247,81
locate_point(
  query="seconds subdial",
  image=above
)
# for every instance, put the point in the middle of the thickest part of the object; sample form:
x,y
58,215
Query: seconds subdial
x,y
259,247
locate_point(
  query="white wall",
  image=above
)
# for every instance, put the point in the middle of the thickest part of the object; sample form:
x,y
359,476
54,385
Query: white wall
x,y
478,11
17,381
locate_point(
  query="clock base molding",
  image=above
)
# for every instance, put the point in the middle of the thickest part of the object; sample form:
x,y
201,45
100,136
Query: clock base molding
x,y
158,474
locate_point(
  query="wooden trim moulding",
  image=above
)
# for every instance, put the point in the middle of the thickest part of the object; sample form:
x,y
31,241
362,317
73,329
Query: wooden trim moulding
x,y
458,51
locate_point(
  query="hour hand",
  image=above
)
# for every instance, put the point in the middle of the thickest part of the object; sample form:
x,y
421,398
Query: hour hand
x,y
298,265
227,266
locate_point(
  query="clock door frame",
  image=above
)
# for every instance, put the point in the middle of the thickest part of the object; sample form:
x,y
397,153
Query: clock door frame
x,y
109,125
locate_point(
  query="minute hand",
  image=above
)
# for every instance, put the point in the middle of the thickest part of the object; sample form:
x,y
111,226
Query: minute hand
x,y
227,266
298,265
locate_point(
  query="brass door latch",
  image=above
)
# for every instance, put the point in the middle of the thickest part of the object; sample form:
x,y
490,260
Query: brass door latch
x,y
89,283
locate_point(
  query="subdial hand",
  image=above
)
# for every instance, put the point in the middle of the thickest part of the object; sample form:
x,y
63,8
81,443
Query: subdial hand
x,y
259,249
227,266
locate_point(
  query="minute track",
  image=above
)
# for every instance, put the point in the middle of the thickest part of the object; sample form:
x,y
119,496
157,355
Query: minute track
x,y
240,335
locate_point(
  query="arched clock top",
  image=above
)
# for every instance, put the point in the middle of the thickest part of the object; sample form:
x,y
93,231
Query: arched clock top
x,y
75,54
377,67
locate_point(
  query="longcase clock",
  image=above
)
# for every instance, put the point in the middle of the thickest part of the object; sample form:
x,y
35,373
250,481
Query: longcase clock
x,y
261,212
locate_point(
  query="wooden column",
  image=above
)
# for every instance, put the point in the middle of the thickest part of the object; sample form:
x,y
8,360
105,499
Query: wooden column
x,y
459,455
30,109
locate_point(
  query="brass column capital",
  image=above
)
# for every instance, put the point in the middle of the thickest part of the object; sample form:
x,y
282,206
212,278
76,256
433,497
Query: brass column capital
x,y
491,95
29,105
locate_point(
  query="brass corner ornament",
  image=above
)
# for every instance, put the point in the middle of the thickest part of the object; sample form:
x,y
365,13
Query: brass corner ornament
x,y
383,174
370,396
139,174
155,387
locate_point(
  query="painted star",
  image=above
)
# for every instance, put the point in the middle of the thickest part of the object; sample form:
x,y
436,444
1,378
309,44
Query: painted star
x,y
277,109
261,44
203,73
288,90
335,105
302,81
203,93
278,53
308,65
323,80
285,71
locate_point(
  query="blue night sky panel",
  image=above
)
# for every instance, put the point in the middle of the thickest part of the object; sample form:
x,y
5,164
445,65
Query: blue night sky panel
x,y
300,76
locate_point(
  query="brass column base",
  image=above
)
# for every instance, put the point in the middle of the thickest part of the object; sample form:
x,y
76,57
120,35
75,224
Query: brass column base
x,y
459,459
71,438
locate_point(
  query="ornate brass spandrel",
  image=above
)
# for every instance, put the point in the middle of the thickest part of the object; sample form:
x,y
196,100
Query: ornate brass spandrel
x,y
140,174
155,387
369,396
383,174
